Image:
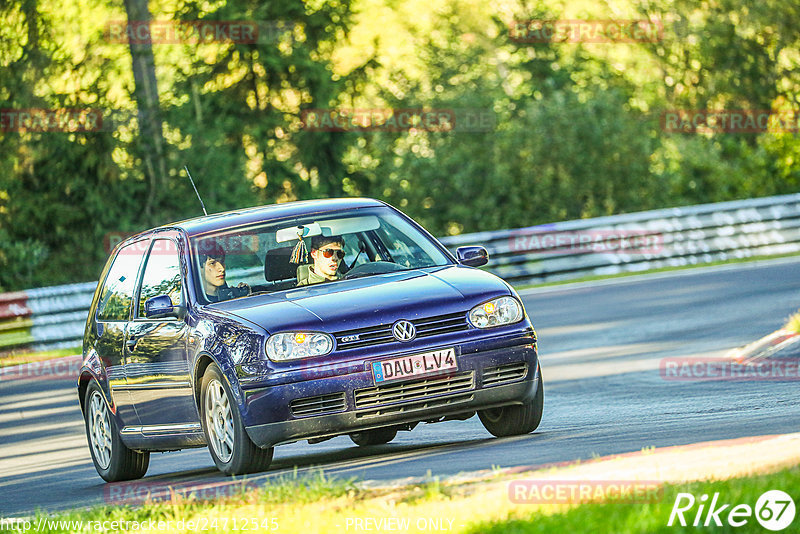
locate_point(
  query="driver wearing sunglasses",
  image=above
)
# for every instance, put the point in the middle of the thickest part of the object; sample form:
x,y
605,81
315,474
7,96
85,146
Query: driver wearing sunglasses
x,y
327,253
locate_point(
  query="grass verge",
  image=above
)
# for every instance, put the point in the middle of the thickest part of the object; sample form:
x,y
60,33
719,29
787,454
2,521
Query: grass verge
x,y
654,517
181,504
793,323
318,503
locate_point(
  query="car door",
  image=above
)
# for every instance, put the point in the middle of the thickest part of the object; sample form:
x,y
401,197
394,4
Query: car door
x,y
111,317
157,364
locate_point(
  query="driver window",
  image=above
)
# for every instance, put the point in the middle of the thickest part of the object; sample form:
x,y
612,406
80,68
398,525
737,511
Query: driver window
x,y
162,274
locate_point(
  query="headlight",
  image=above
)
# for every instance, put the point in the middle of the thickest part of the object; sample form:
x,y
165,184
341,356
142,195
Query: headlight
x,y
296,345
497,312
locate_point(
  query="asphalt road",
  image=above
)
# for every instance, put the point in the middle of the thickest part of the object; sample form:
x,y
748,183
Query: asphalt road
x,y
600,346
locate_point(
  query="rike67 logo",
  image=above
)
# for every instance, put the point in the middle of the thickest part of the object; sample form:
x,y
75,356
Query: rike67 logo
x,y
774,510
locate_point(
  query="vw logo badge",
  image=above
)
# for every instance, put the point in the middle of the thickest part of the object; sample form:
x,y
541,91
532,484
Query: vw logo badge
x,y
404,331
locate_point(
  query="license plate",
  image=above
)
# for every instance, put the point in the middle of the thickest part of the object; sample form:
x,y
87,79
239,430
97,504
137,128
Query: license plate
x,y
414,365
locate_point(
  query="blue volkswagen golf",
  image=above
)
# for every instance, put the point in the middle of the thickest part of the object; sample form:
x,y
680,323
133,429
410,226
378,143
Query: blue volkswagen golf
x,y
300,321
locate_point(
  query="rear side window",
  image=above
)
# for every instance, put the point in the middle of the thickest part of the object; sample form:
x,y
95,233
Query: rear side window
x,y
117,294
162,274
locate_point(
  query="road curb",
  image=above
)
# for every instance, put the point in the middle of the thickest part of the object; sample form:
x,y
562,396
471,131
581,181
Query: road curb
x,y
766,346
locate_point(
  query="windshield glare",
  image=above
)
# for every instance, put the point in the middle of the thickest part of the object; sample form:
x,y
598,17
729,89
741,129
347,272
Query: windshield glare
x,y
270,257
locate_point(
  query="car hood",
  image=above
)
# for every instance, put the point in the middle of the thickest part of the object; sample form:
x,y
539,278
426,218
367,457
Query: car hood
x,y
362,302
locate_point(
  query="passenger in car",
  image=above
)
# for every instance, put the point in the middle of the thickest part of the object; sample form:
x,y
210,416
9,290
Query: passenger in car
x,y
212,259
327,253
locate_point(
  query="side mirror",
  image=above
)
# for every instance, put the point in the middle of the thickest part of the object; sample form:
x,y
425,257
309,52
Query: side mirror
x,y
160,306
472,256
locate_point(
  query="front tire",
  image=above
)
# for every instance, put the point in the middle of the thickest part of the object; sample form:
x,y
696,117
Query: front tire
x,y
231,448
377,436
112,459
518,419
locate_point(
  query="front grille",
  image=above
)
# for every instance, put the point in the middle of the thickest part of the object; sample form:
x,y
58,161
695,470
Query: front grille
x,y
414,390
436,402
380,334
505,373
333,402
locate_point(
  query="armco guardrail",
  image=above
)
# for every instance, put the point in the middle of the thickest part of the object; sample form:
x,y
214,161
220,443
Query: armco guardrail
x,y
44,318
53,317
641,241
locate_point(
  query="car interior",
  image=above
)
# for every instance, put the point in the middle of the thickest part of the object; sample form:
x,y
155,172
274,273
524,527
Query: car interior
x,y
267,264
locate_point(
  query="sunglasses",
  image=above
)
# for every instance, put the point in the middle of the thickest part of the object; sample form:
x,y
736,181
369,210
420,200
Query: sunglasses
x,y
328,252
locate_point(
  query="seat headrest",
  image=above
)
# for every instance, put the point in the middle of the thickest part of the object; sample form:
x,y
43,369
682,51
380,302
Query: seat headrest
x,y
302,271
277,266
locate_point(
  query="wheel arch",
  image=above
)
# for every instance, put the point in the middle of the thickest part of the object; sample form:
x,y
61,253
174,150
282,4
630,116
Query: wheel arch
x,y
83,384
200,366
202,362
85,376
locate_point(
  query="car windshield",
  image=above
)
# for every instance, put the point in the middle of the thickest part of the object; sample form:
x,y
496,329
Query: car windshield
x,y
269,257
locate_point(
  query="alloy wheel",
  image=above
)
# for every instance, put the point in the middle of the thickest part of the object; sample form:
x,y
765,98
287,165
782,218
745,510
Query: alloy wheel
x,y
219,420
100,430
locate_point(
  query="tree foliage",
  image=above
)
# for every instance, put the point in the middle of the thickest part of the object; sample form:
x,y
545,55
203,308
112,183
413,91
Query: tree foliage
x,y
543,131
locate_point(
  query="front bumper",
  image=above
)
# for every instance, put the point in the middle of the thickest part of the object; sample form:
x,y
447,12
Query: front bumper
x,y
505,373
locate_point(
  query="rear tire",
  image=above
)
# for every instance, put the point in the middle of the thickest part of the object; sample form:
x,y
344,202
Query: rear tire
x,y
517,419
112,459
231,448
377,436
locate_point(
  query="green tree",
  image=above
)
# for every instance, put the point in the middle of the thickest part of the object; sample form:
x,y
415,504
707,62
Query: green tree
x,y
241,114
554,149
60,192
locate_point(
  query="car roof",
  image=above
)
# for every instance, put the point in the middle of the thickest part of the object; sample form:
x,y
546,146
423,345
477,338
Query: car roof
x,y
243,217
